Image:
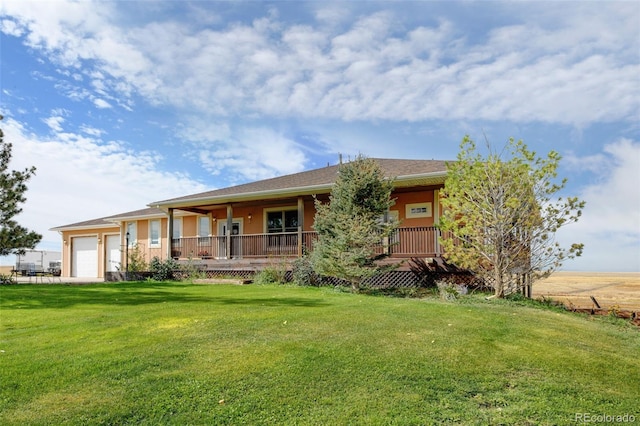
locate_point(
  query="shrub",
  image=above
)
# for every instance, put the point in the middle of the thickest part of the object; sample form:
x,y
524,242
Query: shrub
x,y
270,275
450,291
6,279
163,270
303,272
192,271
137,262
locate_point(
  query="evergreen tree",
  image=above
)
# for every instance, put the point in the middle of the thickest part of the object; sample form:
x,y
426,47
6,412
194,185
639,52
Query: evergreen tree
x,y
353,227
14,239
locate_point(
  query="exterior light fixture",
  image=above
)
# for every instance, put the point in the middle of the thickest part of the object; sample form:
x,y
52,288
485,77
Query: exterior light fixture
x,y
127,257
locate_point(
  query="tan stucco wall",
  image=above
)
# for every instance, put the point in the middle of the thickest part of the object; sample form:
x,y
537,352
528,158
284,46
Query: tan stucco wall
x,y
402,200
255,225
67,244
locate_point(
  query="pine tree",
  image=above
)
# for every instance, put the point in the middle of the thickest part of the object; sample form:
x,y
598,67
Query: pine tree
x,y
14,239
352,227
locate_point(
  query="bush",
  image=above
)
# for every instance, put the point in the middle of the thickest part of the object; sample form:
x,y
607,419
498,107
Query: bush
x,y
450,291
303,272
192,271
6,279
163,270
137,262
270,275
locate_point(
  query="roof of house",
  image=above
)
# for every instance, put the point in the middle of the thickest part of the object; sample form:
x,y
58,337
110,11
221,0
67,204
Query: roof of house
x,y
112,221
405,173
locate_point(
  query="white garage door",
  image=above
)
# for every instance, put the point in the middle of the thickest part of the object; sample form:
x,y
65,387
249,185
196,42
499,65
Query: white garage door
x,y
113,253
84,260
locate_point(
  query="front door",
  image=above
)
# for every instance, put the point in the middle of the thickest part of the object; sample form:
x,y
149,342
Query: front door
x,y
236,239
113,255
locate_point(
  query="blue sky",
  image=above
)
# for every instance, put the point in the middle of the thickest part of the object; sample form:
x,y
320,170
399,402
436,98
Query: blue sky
x,y
119,104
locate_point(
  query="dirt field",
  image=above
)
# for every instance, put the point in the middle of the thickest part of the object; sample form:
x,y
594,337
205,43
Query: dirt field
x,y
620,290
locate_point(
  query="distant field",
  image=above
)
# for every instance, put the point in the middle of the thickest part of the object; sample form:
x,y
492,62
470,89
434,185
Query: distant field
x,y
610,289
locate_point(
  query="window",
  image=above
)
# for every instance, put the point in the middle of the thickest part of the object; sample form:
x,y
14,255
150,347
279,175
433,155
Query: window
x,y
418,210
177,228
132,231
204,230
282,221
154,233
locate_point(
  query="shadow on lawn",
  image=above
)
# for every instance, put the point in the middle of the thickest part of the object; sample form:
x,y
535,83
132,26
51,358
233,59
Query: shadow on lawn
x,y
63,296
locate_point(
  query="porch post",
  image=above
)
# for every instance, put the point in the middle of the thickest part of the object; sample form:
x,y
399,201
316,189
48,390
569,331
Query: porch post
x,y
436,219
300,225
170,233
229,228
385,241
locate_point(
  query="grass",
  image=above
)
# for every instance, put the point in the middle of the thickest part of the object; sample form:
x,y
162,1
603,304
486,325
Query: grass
x,y
170,353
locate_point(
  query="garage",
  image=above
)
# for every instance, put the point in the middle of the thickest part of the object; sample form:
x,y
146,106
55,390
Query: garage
x,y
84,257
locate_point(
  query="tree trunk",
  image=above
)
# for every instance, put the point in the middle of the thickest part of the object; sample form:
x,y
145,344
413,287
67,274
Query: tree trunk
x,y
499,285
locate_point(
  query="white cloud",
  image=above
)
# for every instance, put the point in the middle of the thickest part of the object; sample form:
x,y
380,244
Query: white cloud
x,y
101,103
252,154
54,123
549,65
11,28
81,177
610,224
91,131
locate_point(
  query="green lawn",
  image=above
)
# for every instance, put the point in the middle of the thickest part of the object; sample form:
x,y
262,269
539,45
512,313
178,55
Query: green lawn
x,y
144,353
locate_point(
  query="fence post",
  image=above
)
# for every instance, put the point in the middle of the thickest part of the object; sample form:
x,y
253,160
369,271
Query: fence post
x,y
299,241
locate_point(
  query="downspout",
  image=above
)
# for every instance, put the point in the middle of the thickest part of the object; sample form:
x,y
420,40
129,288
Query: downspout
x,y
170,234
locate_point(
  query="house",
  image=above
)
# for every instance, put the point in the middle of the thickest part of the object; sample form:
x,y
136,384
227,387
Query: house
x,y
247,226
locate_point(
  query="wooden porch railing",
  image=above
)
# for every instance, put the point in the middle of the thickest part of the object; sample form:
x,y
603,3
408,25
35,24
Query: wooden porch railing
x,y
406,242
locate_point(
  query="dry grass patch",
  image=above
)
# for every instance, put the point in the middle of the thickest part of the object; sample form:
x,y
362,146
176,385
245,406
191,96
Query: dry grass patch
x,y
611,290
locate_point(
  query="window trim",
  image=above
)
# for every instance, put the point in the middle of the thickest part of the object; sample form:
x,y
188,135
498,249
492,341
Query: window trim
x,y
199,231
417,210
159,242
133,232
282,209
177,221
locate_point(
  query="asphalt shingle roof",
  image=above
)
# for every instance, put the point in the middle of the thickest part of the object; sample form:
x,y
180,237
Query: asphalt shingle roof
x,y
109,220
322,178
318,177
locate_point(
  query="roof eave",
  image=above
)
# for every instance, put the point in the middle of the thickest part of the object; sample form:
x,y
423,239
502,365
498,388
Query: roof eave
x,y
431,178
120,219
245,196
83,227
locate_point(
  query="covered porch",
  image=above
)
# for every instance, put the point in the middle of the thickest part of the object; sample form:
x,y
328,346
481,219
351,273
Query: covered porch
x,y
407,242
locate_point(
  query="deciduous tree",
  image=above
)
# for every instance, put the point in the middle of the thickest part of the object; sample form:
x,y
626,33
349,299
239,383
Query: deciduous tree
x,y
504,213
353,225
14,239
